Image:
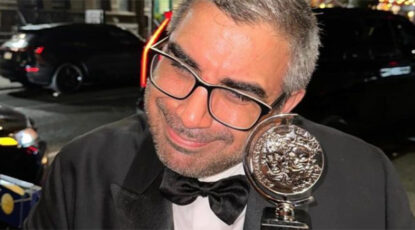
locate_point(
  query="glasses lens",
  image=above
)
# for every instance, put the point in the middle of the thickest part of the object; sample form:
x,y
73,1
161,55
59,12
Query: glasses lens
x,y
171,76
234,109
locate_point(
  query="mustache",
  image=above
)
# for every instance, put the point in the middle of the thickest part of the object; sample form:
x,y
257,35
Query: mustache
x,y
199,135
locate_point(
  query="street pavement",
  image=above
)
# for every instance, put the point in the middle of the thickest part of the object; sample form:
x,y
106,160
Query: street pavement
x,y
61,118
6,84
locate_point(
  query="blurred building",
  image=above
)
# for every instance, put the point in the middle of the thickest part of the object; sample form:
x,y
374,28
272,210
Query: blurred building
x,y
8,16
402,7
14,13
139,16
134,15
342,3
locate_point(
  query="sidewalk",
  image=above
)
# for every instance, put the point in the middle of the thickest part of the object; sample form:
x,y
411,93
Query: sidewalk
x,y
6,84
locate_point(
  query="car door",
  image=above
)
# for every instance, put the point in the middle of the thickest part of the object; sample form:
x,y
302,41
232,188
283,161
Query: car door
x,y
101,59
400,89
127,54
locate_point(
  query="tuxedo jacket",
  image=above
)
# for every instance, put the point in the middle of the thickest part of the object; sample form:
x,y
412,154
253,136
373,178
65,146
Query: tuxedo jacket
x,y
109,179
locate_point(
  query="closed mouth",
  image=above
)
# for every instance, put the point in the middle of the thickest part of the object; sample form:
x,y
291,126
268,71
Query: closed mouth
x,y
182,141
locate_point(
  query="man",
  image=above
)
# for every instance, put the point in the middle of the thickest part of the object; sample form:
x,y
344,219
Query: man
x,y
225,66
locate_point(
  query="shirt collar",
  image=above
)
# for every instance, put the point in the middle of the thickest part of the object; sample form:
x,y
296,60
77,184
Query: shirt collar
x,y
232,171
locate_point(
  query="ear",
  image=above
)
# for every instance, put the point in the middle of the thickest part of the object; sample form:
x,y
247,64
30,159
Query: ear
x,y
292,101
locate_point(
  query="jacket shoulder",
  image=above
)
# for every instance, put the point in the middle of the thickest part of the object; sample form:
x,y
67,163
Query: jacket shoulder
x,y
107,149
340,144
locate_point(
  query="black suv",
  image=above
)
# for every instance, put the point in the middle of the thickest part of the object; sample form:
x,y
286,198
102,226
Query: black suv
x,y
64,56
365,80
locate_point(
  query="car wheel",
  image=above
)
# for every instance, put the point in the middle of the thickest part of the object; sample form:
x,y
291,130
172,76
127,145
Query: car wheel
x,y
67,78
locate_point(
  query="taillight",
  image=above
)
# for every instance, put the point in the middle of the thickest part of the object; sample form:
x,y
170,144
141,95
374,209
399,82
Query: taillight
x,y
30,69
39,50
393,63
32,150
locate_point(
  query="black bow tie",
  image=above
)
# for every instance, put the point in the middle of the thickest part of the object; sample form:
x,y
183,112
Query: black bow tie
x,y
227,197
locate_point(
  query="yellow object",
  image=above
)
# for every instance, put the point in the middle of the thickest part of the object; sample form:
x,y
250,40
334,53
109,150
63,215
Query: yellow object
x,y
8,141
7,203
15,188
44,160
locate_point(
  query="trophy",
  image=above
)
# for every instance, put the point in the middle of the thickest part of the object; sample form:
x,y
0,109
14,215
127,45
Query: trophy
x,y
283,162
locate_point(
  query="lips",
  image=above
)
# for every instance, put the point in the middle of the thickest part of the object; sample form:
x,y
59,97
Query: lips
x,y
183,141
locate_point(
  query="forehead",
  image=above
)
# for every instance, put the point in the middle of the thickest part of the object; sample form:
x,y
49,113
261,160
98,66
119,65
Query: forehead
x,y
252,53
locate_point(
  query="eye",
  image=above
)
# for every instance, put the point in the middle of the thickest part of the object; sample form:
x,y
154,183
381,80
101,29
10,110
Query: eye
x,y
179,68
177,65
238,97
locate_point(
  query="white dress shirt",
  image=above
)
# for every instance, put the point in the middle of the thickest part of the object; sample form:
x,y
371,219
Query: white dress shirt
x,y
198,215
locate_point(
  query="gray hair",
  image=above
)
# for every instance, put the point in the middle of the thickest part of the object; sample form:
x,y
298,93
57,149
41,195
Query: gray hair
x,y
293,18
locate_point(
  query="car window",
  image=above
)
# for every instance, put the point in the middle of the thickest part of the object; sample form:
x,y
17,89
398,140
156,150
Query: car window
x,y
91,34
63,34
406,32
379,35
122,36
341,39
360,39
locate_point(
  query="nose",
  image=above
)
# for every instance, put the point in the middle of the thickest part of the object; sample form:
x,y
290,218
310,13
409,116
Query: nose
x,y
193,110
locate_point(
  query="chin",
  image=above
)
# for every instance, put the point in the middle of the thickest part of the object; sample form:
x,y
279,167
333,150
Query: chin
x,y
182,163
195,165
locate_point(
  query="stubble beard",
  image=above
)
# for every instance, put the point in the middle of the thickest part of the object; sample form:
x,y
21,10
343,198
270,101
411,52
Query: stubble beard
x,y
205,166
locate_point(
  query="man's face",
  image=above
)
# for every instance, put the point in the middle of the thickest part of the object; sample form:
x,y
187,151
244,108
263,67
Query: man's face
x,y
188,140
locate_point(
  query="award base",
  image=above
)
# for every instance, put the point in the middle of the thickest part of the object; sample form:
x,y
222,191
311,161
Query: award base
x,y
270,222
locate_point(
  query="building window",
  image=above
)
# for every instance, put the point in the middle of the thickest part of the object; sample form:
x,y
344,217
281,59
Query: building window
x,y
121,5
61,4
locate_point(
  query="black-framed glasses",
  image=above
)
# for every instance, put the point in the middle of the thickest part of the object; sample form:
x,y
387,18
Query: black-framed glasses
x,y
230,107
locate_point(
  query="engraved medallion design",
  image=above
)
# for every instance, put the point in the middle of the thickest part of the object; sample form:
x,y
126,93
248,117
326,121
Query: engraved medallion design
x,y
287,159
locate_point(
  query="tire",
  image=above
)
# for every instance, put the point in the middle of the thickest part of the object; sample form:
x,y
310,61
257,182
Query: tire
x,y
67,78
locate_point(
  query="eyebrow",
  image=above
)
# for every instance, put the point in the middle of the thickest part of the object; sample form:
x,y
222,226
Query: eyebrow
x,y
178,52
244,86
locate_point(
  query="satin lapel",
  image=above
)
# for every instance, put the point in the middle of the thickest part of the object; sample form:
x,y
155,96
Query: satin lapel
x,y
138,201
148,210
255,207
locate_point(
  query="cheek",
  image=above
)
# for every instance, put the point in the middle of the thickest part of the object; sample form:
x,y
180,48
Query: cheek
x,y
151,108
151,96
239,141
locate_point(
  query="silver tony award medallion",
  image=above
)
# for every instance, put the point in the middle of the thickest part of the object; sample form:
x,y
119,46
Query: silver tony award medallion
x,y
283,162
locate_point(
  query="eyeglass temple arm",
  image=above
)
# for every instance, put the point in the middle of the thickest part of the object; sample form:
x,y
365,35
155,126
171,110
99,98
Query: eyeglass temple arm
x,y
150,43
279,100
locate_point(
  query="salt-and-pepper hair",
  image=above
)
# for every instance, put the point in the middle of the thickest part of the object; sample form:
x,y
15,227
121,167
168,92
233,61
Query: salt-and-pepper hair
x,y
294,18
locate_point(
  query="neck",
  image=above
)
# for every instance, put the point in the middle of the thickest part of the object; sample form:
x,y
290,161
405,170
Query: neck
x,y
232,171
